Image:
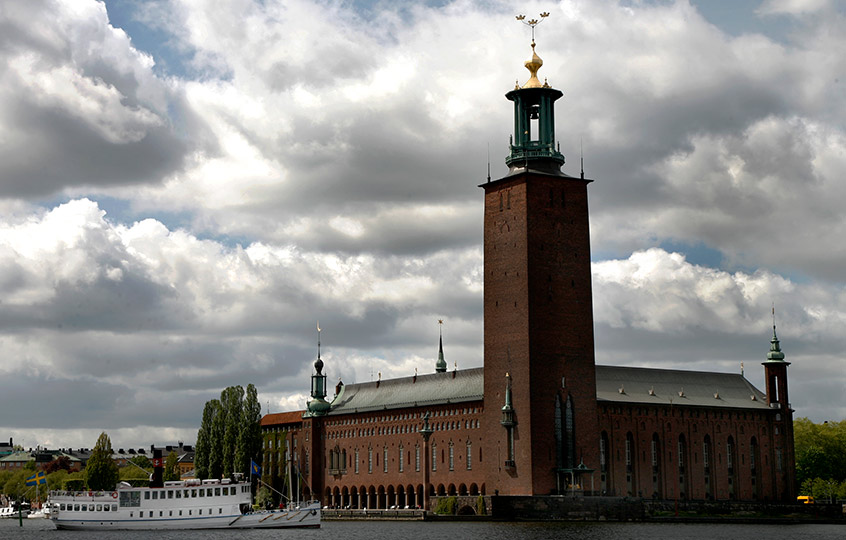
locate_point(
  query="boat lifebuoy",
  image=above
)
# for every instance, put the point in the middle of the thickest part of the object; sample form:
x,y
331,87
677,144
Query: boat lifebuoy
x,y
114,494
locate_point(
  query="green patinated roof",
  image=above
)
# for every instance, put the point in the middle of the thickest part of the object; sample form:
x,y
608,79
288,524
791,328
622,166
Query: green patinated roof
x,y
458,386
639,385
698,388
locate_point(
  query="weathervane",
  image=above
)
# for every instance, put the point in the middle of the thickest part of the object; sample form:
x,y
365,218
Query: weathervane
x,y
533,22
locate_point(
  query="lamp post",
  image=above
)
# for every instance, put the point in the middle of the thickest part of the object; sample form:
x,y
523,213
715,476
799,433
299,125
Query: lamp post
x,y
426,432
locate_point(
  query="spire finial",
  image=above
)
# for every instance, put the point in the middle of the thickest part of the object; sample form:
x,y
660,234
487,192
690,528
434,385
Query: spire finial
x,y
582,156
775,354
440,365
489,162
535,63
318,364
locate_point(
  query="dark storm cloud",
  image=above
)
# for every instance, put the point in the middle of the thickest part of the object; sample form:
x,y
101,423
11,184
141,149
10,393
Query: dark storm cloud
x,y
80,107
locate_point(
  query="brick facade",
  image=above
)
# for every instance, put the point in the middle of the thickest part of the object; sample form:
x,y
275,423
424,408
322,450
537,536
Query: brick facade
x,y
534,424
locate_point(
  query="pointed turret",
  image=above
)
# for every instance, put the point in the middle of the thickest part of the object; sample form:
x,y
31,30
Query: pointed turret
x,y
318,406
775,372
533,143
440,365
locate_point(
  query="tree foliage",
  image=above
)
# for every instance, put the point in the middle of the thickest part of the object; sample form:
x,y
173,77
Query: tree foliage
x,y
820,458
171,468
58,464
142,461
101,472
230,433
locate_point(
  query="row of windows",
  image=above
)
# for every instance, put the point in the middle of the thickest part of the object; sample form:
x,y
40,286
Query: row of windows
x,y
691,413
337,461
189,493
404,416
707,453
82,507
399,430
170,512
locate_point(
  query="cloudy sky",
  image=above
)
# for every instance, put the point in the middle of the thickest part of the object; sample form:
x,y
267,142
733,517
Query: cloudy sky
x,y
188,186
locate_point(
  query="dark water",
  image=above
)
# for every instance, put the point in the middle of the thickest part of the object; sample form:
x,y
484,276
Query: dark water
x,y
390,530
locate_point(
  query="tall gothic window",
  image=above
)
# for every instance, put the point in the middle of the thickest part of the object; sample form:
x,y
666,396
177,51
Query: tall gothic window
x,y
400,460
356,460
469,455
559,434
385,459
417,458
370,460
451,456
570,439
434,457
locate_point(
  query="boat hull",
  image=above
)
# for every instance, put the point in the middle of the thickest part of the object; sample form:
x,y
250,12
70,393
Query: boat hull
x,y
305,517
190,505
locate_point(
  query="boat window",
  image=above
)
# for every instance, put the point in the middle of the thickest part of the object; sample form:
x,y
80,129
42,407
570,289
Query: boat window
x,y
76,508
91,508
194,492
187,493
62,507
155,495
220,510
201,511
189,512
180,512
106,508
170,494
217,492
178,493
146,494
84,507
99,507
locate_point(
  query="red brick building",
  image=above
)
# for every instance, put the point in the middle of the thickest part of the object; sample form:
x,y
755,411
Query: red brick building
x,y
540,418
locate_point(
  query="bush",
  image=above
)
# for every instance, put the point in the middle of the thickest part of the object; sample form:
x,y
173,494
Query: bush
x,y
480,506
446,505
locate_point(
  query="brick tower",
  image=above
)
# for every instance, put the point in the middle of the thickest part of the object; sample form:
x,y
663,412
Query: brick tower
x,y
540,379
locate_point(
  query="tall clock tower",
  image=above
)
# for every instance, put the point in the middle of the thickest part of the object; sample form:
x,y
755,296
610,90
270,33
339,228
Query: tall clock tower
x,y
540,378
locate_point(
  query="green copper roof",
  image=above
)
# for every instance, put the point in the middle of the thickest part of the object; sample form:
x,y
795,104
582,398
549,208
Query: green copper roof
x,y
677,387
420,390
440,365
775,354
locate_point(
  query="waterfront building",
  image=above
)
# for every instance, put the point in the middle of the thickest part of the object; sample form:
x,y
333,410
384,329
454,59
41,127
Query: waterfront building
x,y
540,418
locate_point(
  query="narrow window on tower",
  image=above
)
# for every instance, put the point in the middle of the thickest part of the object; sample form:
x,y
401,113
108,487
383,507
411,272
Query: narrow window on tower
x,y
508,197
559,434
570,438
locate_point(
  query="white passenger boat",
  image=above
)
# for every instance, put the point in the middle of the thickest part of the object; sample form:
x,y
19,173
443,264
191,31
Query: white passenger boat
x,y
11,511
190,504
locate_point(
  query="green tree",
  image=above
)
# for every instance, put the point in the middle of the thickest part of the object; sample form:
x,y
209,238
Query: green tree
x,y
101,472
820,451
229,434
171,468
142,461
216,442
250,439
232,399
202,451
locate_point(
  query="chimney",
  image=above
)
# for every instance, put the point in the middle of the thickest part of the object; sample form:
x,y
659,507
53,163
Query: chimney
x,y
158,469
